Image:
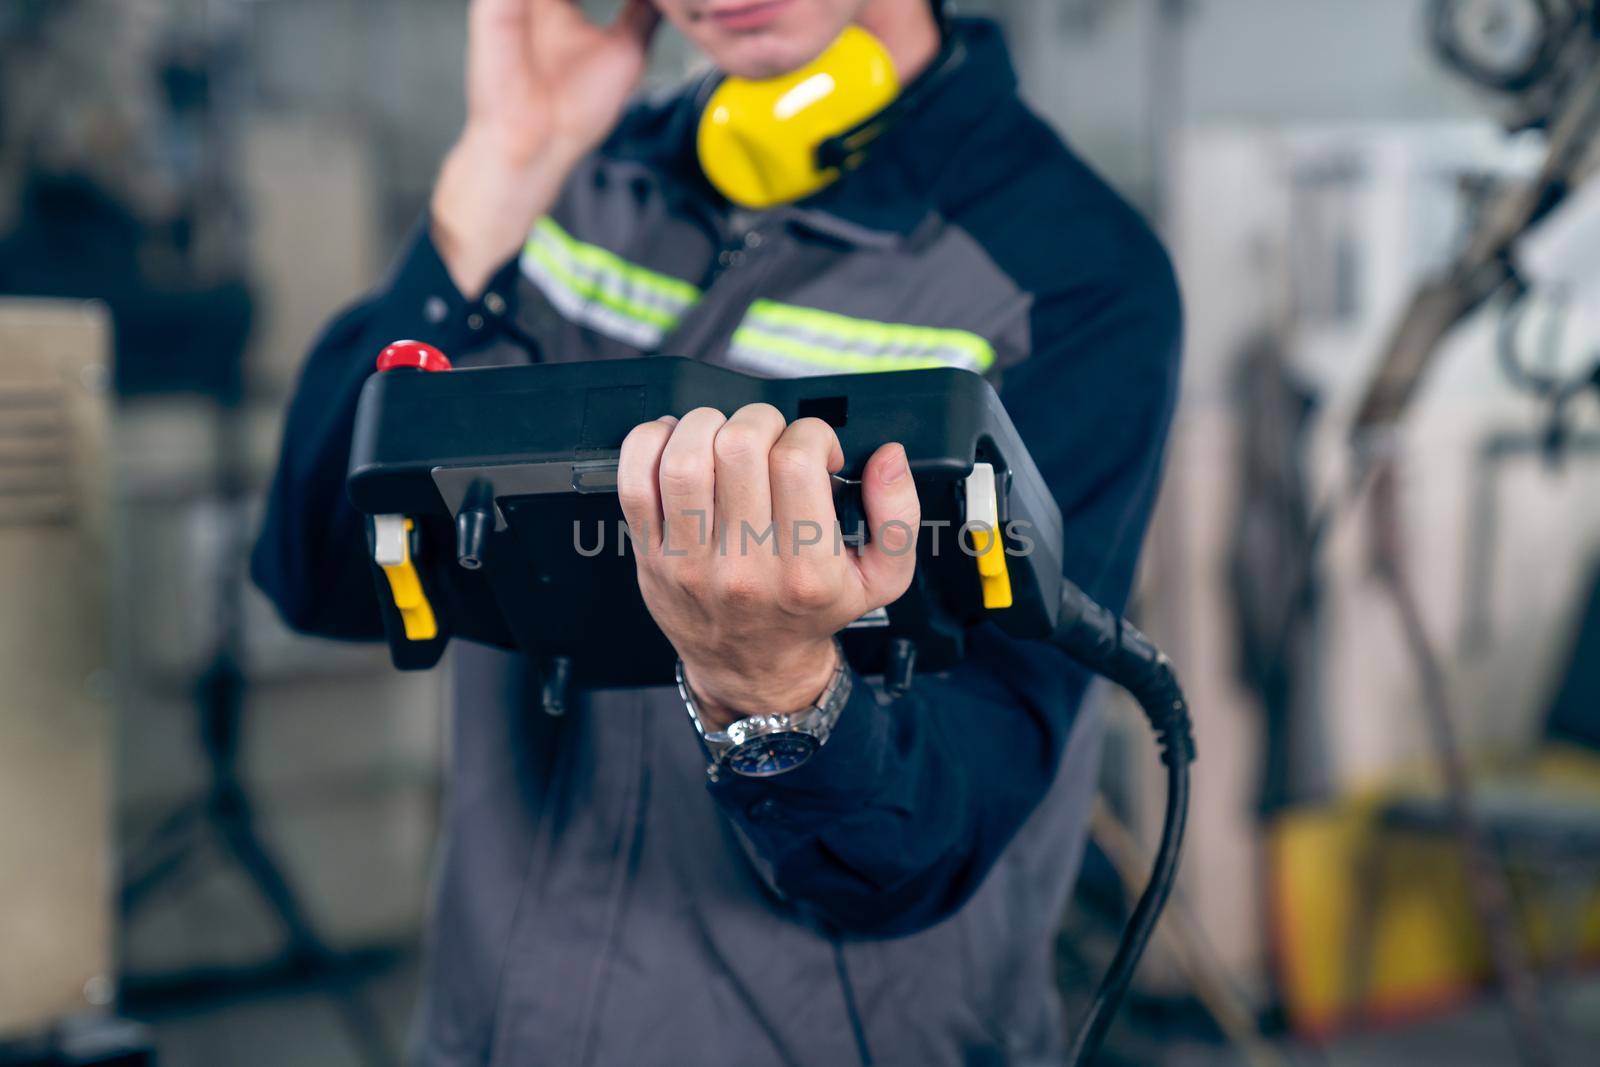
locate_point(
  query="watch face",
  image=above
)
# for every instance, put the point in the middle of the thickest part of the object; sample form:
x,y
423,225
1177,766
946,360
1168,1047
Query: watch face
x,y
761,757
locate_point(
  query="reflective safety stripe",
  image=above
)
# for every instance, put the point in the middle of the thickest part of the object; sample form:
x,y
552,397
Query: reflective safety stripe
x,y
785,339
599,289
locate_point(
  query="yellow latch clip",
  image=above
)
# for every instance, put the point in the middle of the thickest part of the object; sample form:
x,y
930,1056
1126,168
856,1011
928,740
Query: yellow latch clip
x,y
983,525
391,549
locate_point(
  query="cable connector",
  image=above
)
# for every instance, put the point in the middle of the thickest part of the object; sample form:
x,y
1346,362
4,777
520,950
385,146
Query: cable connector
x,y
1116,649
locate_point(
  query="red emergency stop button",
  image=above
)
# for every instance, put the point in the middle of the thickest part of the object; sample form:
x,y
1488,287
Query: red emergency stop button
x,y
414,355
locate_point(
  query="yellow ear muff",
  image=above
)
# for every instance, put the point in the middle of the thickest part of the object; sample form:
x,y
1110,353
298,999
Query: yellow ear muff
x,y
758,139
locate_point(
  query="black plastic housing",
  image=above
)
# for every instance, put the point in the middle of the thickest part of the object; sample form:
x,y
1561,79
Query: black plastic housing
x,y
524,457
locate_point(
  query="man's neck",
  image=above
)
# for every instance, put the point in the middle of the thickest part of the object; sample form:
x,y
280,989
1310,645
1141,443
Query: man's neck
x,y
907,29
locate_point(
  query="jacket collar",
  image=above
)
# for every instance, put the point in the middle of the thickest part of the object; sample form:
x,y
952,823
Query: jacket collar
x,y
894,188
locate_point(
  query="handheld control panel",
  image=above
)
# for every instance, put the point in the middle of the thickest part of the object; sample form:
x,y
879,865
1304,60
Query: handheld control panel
x,y
493,515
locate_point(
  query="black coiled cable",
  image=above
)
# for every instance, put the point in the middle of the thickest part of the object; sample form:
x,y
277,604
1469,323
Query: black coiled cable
x,y
1116,650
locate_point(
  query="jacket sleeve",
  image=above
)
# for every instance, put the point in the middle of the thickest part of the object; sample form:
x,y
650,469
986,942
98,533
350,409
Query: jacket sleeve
x,y
310,557
897,820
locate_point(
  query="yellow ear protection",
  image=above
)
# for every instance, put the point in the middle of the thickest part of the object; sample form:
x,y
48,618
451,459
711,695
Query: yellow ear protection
x,y
781,139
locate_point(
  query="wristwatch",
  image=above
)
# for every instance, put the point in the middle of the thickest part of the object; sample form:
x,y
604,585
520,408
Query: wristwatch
x,y
760,746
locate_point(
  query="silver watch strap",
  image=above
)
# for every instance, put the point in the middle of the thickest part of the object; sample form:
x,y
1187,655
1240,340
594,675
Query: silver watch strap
x,y
817,720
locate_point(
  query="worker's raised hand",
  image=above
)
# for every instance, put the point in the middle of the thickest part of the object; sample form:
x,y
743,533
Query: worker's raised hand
x,y
542,80
544,86
739,556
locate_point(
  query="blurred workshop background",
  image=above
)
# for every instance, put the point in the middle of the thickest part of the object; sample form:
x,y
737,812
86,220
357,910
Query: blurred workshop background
x,y
215,836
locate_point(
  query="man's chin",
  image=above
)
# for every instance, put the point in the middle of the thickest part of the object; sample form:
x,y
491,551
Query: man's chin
x,y
758,56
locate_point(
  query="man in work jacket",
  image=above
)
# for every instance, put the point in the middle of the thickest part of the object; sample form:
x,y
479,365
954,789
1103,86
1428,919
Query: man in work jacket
x,y
601,899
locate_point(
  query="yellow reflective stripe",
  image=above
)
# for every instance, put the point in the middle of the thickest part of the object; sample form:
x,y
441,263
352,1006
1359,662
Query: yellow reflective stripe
x,y
754,345
596,289
827,338
672,291
606,292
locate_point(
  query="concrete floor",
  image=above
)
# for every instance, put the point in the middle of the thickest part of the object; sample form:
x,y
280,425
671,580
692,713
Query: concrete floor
x,y
310,1030
1477,1036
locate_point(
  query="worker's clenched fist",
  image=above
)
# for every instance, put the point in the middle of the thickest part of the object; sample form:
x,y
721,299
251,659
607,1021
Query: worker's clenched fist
x,y
739,553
